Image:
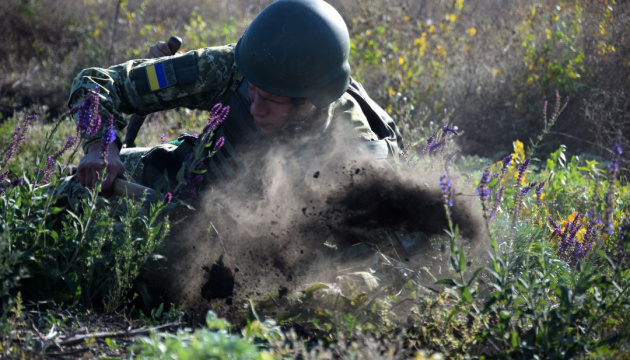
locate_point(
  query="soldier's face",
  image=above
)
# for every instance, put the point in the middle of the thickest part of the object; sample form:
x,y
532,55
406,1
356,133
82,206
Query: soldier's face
x,y
271,112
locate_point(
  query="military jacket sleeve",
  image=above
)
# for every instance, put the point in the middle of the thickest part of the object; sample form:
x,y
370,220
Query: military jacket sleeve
x,y
345,116
197,79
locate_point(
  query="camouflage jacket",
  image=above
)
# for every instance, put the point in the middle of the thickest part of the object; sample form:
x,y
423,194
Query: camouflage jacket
x,y
199,79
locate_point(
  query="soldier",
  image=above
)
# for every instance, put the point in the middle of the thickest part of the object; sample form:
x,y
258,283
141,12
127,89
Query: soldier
x,y
288,77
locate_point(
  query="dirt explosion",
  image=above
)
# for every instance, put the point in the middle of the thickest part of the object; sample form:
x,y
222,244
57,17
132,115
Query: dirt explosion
x,y
297,220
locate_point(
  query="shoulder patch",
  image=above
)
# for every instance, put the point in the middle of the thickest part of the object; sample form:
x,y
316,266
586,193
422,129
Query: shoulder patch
x,y
162,74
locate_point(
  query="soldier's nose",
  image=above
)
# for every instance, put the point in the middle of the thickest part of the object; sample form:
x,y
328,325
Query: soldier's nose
x,y
257,107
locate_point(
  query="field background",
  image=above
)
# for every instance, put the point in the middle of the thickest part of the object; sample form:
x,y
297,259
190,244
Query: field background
x,y
485,66
497,71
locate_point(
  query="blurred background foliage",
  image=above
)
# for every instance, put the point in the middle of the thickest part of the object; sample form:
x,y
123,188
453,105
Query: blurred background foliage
x,y
486,66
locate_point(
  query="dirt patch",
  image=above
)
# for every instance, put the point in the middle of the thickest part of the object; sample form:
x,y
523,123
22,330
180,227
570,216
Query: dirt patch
x,y
242,245
220,282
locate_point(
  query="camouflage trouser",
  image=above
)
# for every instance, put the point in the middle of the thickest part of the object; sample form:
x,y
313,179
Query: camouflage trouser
x,y
73,191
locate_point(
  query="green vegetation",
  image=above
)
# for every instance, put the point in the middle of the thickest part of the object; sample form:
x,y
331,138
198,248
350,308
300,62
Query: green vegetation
x,y
556,282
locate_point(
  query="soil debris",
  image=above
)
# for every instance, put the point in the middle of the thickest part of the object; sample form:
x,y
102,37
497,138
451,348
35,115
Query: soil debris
x,y
220,283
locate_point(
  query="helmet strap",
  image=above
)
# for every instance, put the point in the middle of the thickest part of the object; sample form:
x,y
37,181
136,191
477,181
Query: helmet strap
x,y
294,125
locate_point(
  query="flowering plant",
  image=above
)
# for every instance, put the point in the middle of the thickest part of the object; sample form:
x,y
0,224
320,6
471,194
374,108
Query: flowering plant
x,y
206,144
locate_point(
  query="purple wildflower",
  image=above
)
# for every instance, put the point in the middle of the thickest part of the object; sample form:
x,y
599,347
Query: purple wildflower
x,y
69,142
48,169
162,138
430,141
526,189
569,248
404,156
519,196
3,176
575,225
17,182
433,148
590,236
506,162
219,143
186,164
447,129
539,189
19,135
188,194
497,202
521,171
405,159
15,143
446,185
109,135
617,151
168,197
89,121
218,114
484,192
196,180
449,158
556,228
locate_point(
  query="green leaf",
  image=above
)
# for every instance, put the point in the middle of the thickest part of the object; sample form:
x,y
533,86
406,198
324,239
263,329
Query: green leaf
x,y
508,191
515,339
56,210
449,282
493,182
316,287
495,274
215,323
466,295
462,260
455,264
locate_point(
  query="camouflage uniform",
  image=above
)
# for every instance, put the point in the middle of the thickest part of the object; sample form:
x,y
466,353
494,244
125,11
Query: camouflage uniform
x,y
199,79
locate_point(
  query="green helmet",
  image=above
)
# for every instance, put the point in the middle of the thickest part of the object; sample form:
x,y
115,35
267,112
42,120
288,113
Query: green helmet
x,y
297,48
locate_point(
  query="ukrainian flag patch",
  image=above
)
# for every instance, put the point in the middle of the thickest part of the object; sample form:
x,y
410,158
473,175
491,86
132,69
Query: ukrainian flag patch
x,y
161,75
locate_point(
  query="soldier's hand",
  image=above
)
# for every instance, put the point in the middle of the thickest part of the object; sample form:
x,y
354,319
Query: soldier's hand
x,y
160,49
92,165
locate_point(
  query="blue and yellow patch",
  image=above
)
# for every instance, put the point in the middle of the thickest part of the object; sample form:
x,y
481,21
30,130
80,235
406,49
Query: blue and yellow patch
x,y
164,73
161,75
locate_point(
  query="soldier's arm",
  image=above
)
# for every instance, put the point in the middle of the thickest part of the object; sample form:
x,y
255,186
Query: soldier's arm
x,y
197,79
348,127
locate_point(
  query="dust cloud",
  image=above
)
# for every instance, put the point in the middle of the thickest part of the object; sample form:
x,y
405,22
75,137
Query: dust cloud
x,y
296,218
